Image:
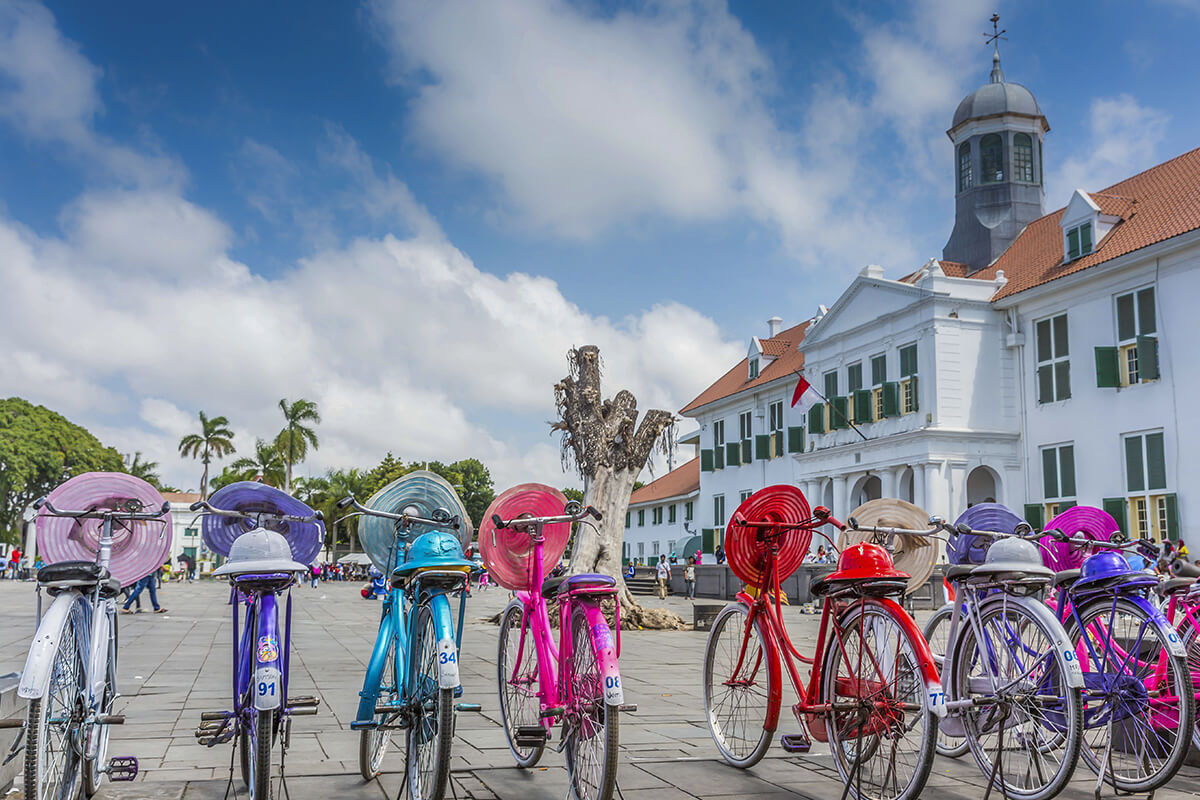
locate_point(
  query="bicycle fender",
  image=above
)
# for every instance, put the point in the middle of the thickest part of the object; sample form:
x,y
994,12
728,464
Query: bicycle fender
x,y
1174,643
99,650
606,652
1051,625
370,691
935,696
267,684
40,661
445,631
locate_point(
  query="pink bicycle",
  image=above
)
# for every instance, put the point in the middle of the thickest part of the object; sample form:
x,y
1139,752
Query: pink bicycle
x,y
576,683
1182,593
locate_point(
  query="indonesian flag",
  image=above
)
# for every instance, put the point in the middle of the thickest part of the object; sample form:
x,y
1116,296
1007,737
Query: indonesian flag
x,y
805,396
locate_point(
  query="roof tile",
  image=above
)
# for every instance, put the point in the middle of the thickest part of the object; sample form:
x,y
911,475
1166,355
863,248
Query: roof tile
x,y
736,380
678,482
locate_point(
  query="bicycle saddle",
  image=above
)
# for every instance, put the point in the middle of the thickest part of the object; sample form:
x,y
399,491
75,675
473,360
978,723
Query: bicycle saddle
x,y
564,583
83,574
1064,578
1173,585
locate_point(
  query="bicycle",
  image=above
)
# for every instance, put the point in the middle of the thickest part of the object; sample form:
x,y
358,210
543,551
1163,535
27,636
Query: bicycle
x,y
1139,703
70,676
413,675
576,683
269,538
873,692
1011,666
1181,606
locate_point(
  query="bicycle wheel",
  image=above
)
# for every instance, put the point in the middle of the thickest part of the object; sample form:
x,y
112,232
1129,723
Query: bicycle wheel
x,y
373,743
92,767
53,737
1027,731
1138,704
937,630
737,698
519,701
591,729
432,723
255,747
1191,641
881,733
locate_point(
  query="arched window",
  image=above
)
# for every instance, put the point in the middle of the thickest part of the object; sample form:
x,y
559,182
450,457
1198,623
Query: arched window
x,y
1023,158
991,154
965,178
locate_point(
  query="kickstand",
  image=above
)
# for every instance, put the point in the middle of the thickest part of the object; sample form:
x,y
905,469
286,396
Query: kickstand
x,y
996,769
229,787
403,780
283,787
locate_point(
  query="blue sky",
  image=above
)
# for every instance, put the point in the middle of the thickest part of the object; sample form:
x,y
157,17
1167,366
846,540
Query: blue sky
x,y
412,210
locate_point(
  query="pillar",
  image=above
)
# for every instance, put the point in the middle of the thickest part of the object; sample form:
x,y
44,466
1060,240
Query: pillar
x,y
840,500
890,480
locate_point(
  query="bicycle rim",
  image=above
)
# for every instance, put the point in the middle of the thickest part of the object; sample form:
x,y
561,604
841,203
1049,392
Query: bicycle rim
x,y
1028,733
373,744
937,630
736,705
53,743
432,721
1138,712
591,724
519,701
880,732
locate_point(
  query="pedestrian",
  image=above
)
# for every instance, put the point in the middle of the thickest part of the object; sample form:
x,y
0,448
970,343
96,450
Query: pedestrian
x,y
699,555
1182,551
14,563
720,554
316,574
663,572
689,578
630,571
145,583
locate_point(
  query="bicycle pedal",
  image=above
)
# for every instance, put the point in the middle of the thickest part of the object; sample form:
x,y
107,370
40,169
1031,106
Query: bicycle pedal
x,y
532,736
302,711
122,768
110,719
209,716
468,707
552,712
303,702
627,707
795,742
11,723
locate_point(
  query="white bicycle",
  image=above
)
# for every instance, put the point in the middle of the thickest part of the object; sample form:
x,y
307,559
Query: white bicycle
x,y
70,677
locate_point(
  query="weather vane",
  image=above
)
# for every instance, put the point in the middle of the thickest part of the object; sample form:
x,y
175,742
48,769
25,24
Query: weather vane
x,y
995,34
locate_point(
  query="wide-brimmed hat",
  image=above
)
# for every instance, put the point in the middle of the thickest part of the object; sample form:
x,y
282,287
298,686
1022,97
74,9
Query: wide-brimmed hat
x,y
260,551
1015,555
433,549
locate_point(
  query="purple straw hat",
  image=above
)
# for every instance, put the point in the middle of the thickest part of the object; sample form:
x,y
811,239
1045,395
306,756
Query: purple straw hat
x,y
138,548
304,538
972,549
1086,522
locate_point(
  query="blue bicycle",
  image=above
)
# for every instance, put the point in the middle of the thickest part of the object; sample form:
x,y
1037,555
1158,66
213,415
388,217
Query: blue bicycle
x,y
410,533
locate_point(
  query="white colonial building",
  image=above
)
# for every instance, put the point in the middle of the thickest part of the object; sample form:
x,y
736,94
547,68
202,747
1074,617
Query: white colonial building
x,y
662,515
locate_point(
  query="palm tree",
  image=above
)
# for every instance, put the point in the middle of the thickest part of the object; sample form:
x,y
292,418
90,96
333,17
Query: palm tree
x,y
266,463
214,439
146,470
336,485
294,439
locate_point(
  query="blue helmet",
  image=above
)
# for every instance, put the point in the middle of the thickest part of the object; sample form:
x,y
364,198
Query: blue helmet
x,y
433,549
1106,568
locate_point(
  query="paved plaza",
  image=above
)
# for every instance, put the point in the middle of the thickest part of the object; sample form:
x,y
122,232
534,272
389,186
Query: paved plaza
x,y
175,665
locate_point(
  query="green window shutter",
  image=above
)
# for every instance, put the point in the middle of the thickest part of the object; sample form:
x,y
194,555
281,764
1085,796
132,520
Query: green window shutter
x,y
747,451
1073,243
854,377
732,451
891,399
626,519
1147,323
1061,343
1108,371
1066,471
1033,515
838,413
1045,382
1065,504
719,457
1045,350
706,541
816,418
795,440
1156,462
831,384
908,360
1126,326
1172,516
706,460
1134,480
1085,238
862,406
762,446
1062,380
641,517
1050,473
916,393
878,370
1147,350
1117,508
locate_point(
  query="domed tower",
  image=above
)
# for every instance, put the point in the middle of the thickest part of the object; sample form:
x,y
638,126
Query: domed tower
x,y
997,134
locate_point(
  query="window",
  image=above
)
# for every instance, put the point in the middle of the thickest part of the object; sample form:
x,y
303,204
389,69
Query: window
x,y
878,378
964,167
190,533
671,514
687,511
775,426
719,516
626,519
656,515
1053,363
641,517
991,153
854,376
1153,512
1079,241
671,546
860,399
1136,340
655,550
719,444
641,549
908,379
747,436
753,368
832,420
1058,477
744,495
1023,158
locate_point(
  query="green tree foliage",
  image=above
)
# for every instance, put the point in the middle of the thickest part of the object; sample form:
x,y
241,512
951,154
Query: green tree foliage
x,y
573,494
40,449
267,462
323,494
146,470
297,434
215,439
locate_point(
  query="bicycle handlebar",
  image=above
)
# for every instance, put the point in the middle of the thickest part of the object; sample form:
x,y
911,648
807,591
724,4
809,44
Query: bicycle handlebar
x,y
525,522
821,516
203,505
93,513
453,523
1132,544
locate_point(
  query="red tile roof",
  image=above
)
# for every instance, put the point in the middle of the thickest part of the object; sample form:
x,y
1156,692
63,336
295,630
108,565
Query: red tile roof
x,y
676,483
1155,205
953,269
737,380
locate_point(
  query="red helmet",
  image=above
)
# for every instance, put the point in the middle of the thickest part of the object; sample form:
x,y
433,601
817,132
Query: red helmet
x,y
865,560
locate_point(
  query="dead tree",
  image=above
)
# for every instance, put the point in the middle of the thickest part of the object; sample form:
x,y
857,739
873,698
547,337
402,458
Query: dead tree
x,y
609,448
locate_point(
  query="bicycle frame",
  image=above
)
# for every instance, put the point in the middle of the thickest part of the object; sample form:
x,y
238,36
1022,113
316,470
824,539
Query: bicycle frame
x,y
260,664
1187,605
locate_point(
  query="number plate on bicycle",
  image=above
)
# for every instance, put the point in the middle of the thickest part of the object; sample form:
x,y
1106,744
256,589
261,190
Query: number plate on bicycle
x,y
447,662
266,688
1074,671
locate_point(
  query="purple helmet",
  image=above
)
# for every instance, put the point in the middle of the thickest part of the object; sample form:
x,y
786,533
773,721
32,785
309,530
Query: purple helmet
x,y
1105,569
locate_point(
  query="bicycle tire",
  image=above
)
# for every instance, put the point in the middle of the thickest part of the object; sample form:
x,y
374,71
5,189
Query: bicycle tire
x,y
429,734
64,691
907,689
92,767
373,743
742,739
1060,731
1122,699
520,704
937,628
594,721
259,744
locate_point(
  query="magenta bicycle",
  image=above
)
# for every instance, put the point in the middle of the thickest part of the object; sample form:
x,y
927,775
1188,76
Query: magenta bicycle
x,y
576,682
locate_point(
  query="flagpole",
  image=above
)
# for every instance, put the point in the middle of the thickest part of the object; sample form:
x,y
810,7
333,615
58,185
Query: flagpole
x,y
847,420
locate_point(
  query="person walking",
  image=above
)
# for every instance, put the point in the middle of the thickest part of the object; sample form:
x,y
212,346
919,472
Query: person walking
x,y
14,563
663,572
147,582
689,578
720,554
316,574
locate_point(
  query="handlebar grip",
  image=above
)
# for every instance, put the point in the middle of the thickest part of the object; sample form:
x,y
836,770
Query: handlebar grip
x,y
596,515
455,522
319,516
852,522
499,523
963,528
196,506
166,507
831,520
37,504
345,501
738,519
820,512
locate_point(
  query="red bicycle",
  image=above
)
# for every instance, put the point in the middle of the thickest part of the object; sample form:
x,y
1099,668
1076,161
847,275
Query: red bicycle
x,y
873,692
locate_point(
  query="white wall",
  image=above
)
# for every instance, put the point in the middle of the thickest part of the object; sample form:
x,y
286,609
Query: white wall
x,y
663,534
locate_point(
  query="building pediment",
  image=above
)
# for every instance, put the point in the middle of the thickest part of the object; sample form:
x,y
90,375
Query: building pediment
x,y
867,298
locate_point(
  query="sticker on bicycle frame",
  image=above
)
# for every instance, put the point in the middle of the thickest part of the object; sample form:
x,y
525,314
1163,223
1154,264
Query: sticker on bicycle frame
x,y
447,664
602,636
1074,671
267,690
614,695
268,649
937,699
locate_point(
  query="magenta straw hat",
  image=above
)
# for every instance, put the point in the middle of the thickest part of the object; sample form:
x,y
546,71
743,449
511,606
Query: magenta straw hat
x,y
1084,522
138,547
